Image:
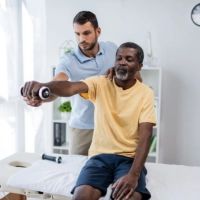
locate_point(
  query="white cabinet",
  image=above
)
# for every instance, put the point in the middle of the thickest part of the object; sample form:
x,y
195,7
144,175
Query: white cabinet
x,y
59,127
152,76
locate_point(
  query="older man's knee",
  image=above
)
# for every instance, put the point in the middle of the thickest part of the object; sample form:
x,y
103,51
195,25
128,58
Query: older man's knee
x,y
136,196
85,192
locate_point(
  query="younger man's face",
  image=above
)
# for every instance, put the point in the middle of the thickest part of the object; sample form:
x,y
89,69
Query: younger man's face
x,y
126,63
86,35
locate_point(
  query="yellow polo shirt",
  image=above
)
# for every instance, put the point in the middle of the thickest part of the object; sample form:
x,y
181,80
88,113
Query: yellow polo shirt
x,y
117,115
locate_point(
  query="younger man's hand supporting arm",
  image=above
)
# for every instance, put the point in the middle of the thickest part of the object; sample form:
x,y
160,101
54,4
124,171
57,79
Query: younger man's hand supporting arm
x,y
126,185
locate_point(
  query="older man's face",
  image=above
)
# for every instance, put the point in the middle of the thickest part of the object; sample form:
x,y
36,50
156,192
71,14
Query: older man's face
x,y
126,63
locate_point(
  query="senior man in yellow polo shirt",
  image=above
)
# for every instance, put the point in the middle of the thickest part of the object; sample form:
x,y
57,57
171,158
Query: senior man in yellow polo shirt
x,y
124,117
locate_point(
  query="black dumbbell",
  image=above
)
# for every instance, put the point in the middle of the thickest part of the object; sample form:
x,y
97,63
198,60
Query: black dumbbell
x,y
44,93
52,158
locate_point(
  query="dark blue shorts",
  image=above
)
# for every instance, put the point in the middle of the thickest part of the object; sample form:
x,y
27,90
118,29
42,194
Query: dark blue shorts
x,y
102,170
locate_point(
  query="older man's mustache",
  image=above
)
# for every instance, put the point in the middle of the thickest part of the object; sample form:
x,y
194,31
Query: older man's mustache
x,y
122,68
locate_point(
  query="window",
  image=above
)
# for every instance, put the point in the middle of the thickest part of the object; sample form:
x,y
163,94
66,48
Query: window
x,y
22,39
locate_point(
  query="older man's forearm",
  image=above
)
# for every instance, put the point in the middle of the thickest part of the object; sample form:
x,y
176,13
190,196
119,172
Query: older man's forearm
x,y
140,156
66,88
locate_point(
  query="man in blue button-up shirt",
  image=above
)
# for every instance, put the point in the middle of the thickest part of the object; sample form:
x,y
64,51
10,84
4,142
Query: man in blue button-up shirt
x,y
89,58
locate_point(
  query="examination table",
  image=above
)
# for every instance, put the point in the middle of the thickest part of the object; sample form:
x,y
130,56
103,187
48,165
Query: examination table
x,y
27,174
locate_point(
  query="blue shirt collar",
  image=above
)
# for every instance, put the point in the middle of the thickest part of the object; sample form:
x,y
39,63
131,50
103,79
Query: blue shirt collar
x,y
83,58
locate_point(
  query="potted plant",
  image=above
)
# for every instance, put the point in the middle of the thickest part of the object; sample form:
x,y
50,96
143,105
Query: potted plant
x,y
65,109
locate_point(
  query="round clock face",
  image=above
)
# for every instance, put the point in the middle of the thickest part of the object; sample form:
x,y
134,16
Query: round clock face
x,y
195,14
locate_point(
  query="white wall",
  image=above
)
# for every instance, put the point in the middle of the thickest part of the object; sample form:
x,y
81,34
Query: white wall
x,y
176,41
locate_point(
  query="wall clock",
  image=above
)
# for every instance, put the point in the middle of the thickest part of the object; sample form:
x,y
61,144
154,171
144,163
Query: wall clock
x,y
195,15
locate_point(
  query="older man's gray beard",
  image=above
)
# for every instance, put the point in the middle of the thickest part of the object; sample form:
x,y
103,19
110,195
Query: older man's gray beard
x,y
121,76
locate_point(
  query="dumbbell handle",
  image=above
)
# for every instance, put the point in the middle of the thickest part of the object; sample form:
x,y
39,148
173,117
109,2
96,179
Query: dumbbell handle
x,y
44,93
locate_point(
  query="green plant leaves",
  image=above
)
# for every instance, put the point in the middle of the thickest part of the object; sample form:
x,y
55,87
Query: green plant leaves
x,y
68,51
65,107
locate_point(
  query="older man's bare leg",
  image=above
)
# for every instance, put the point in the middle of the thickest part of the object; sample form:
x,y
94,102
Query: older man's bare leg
x,y
136,196
86,192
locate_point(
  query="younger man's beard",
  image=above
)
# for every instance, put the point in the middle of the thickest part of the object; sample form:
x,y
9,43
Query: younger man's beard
x,y
122,77
92,45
